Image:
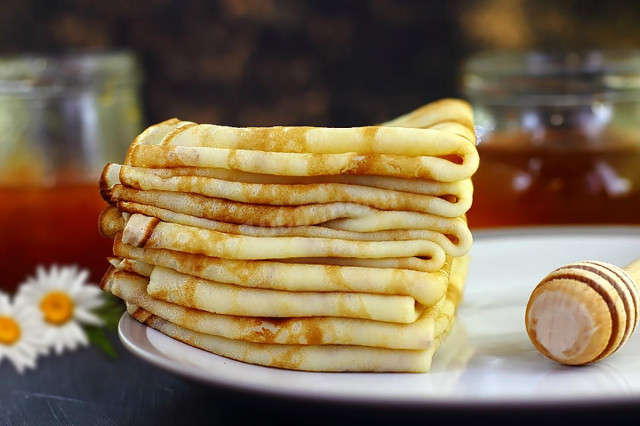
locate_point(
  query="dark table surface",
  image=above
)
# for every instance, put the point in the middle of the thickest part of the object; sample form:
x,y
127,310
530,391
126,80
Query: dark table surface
x,y
87,387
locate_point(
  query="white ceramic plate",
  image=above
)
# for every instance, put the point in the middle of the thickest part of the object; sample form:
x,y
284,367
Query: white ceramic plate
x,y
488,359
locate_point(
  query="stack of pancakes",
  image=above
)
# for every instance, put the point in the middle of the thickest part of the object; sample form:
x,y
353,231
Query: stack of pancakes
x,y
320,249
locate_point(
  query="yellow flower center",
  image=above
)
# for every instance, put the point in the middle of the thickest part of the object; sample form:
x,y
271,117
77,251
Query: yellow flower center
x,y
9,331
57,307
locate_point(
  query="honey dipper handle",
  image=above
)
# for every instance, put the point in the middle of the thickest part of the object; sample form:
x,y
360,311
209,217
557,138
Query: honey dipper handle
x,y
633,269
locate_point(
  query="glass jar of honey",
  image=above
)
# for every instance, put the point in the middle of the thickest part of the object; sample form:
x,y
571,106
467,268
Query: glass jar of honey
x,y
558,137
62,118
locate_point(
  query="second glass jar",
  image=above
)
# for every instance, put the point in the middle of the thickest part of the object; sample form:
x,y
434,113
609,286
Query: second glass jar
x,y
558,136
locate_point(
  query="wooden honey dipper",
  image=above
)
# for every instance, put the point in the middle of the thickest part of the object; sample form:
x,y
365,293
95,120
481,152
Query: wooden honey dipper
x,y
585,311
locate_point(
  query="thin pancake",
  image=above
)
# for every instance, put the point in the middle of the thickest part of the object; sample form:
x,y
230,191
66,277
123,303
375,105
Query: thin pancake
x,y
309,331
459,190
196,293
293,194
314,357
417,141
369,219
426,287
303,357
449,167
454,244
408,263
317,140
144,231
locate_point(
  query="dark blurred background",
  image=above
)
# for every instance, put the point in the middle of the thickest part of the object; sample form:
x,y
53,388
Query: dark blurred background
x,y
332,62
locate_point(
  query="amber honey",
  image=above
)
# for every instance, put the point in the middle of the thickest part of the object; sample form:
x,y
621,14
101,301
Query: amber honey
x,y
551,185
45,226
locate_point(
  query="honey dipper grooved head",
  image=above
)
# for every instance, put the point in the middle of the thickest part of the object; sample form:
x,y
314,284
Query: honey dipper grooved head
x,y
582,312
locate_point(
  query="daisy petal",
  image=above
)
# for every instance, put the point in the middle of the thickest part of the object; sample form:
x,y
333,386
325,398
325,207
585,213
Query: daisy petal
x,y
86,317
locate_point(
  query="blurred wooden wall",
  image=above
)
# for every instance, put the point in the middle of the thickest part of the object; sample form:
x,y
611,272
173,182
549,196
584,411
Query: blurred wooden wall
x,y
330,62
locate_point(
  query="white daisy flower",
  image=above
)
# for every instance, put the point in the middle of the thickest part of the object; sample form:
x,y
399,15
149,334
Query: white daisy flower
x,y
66,302
22,335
